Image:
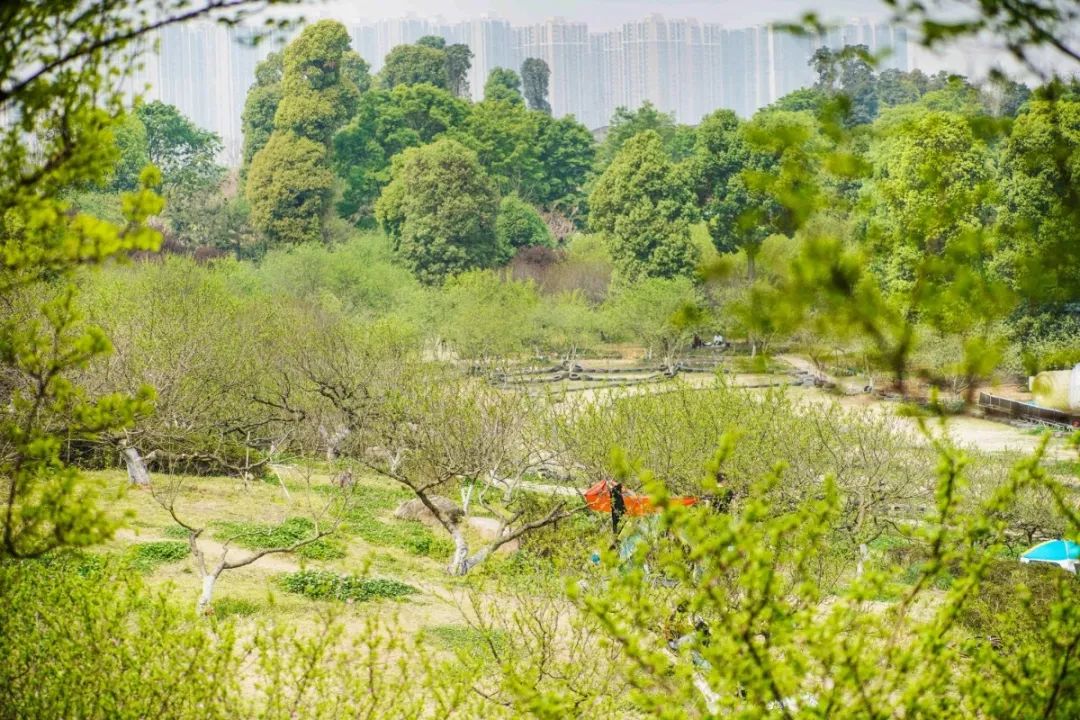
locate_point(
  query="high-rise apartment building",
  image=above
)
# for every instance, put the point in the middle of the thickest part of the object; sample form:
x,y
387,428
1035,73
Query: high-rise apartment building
x,y
494,44
565,47
682,66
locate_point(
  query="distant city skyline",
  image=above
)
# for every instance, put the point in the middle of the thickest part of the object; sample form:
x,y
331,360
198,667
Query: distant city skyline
x,y
972,58
599,15
681,65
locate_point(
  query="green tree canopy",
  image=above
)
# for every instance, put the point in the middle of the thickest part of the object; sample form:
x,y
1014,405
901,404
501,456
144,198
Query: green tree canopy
x,y
720,157
387,122
896,87
290,182
432,41
535,75
504,136
176,146
742,172
678,140
321,82
932,185
661,313
848,72
643,205
261,106
518,225
131,142
809,100
543,160
458,61
1041,212
195,209
566,151
503,85
440,210
486,318
413,65
289,188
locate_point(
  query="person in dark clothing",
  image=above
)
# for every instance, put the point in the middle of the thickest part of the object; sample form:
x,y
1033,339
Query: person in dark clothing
x,y
618,507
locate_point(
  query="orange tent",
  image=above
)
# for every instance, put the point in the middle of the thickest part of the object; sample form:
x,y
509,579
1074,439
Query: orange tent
x,y
598,499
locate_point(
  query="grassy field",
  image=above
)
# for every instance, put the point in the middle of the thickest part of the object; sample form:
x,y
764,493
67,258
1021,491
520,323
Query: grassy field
x,y
373,563
397,563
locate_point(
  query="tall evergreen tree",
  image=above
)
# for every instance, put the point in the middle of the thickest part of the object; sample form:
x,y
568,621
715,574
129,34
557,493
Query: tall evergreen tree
x,y
321,82
290,178
503,85
458,61
643,206
261,106
535,75
386,123
440,210
413,65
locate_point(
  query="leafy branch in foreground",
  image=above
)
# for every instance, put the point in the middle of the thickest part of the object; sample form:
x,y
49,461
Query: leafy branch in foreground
x,y
719,613
61,69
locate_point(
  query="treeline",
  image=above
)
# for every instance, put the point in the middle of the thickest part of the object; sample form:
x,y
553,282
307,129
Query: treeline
x,y
949,206
457,185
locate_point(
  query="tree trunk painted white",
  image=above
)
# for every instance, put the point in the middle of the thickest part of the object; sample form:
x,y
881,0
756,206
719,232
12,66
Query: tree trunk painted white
x,y
712,699
480,556
459,564
466,496
333,440
136,468
864,552
207,594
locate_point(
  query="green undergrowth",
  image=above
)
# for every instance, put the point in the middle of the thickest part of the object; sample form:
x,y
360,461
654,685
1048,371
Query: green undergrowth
x,y
257,536
326,585
147,556
235,607
76,562
474,642
371,503
527,571
175,531
758,364
413,537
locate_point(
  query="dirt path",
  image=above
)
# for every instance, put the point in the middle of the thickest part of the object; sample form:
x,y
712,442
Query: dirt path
x,y
801,363
965,431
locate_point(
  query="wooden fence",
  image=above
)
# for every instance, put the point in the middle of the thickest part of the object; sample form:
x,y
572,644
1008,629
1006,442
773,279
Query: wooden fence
x,y
1027,411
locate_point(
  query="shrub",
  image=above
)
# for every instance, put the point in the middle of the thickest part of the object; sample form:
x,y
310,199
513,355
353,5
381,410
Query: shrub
x,y
518,225
106,646
144,557
322,549
326,585
1014,602
583,266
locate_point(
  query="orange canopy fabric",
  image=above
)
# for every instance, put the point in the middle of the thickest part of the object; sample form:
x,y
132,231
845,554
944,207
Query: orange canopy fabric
x,y
598,499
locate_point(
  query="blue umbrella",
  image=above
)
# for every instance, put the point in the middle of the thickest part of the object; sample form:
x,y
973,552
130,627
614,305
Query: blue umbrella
x,y
1064,553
